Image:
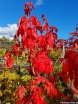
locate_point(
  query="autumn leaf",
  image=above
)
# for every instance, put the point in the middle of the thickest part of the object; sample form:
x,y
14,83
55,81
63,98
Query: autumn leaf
x,y
28,7
37,99
35,21
43,64
65,66
36,89
48,86
20,92
16,49
53,29
10,62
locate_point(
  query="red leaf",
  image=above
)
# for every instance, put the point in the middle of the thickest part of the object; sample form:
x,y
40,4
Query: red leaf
x,y
52,79
65,66
74,33
39,28
45,20
53,29
10,62
49,40
26,100
23,37
20,92
16,49
29,32
75,83
76,61
48,86
28,7
30,44
41,40
35,34
51,90
23,23
37,99
43,64
36,89
35,21
24,44
70,55
45,26
55,36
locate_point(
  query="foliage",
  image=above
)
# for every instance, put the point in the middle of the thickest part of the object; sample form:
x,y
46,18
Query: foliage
x,y
9,82
41,66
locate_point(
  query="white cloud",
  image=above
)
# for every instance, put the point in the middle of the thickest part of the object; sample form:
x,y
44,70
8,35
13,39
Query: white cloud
x,y
39,2
8,31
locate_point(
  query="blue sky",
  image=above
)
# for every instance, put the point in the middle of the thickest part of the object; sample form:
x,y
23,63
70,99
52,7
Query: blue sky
x,y
60,13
